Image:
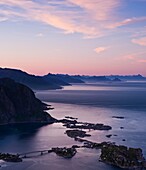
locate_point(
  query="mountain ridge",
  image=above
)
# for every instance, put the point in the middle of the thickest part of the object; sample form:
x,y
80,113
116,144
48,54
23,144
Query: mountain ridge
x,y
57,81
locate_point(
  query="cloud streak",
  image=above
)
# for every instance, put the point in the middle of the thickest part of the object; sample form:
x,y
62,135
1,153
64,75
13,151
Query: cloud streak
x,y
137,57
140,41
98,9
142,61
39,35
2,19
127,22
90,18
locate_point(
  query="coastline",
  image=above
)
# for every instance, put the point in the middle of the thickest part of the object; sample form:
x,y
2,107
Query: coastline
x,y
131,133
116,151
26,123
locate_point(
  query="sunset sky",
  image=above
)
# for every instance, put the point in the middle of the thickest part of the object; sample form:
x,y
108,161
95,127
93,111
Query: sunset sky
x,y
94,37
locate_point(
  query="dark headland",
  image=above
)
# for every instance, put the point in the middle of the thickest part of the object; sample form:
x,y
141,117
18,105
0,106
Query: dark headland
x,y
18,104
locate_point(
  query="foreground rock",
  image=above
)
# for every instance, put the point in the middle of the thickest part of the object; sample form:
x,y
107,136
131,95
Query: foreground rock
x,y
77,133
123,157
10,158
65,152
18,104
71,118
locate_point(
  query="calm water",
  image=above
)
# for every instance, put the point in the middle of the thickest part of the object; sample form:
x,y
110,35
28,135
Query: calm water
x,y
91,103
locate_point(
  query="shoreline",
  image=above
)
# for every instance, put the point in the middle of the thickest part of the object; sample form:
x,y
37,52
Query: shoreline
x,y
104,146
26,123
44,123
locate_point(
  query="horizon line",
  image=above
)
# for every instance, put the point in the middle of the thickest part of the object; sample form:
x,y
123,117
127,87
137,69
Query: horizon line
x,y
19,69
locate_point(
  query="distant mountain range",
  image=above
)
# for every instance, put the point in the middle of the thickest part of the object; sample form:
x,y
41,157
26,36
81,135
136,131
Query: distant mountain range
x,y
128,77
92,79
50,81
115,78
62,79
56,81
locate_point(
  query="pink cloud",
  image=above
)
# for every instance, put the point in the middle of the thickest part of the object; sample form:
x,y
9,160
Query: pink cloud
x,y
98,9
126,22
142,61
92,18
82,21
140,41
100,49
138,57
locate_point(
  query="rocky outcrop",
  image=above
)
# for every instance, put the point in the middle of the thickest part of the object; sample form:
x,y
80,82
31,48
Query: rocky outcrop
x,y
74,124
18,104
77,133
117,155
10,158
118,117
65,152
123,157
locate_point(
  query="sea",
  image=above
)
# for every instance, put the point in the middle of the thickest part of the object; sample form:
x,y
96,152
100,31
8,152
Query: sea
x,y
89,102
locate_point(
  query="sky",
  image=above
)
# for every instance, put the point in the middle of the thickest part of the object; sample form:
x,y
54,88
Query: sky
x,y
86,37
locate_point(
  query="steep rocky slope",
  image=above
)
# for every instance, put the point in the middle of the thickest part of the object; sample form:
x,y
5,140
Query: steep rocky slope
x,y
18,104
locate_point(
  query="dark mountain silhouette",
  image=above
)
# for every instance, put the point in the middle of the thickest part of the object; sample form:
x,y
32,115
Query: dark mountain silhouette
x,y
55,78
18,104
56,81
49,81
95,78
65,79
116,79
128,77
32,81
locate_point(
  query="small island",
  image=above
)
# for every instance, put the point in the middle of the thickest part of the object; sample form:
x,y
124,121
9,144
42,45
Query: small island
x,y
65,152
70,117
123,157
77,133
118,117
74,124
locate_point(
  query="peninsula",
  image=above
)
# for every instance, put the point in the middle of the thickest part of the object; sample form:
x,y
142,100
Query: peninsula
x,y
18,104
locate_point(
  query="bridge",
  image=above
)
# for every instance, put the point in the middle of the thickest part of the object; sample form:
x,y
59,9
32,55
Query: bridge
x,y
29,154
